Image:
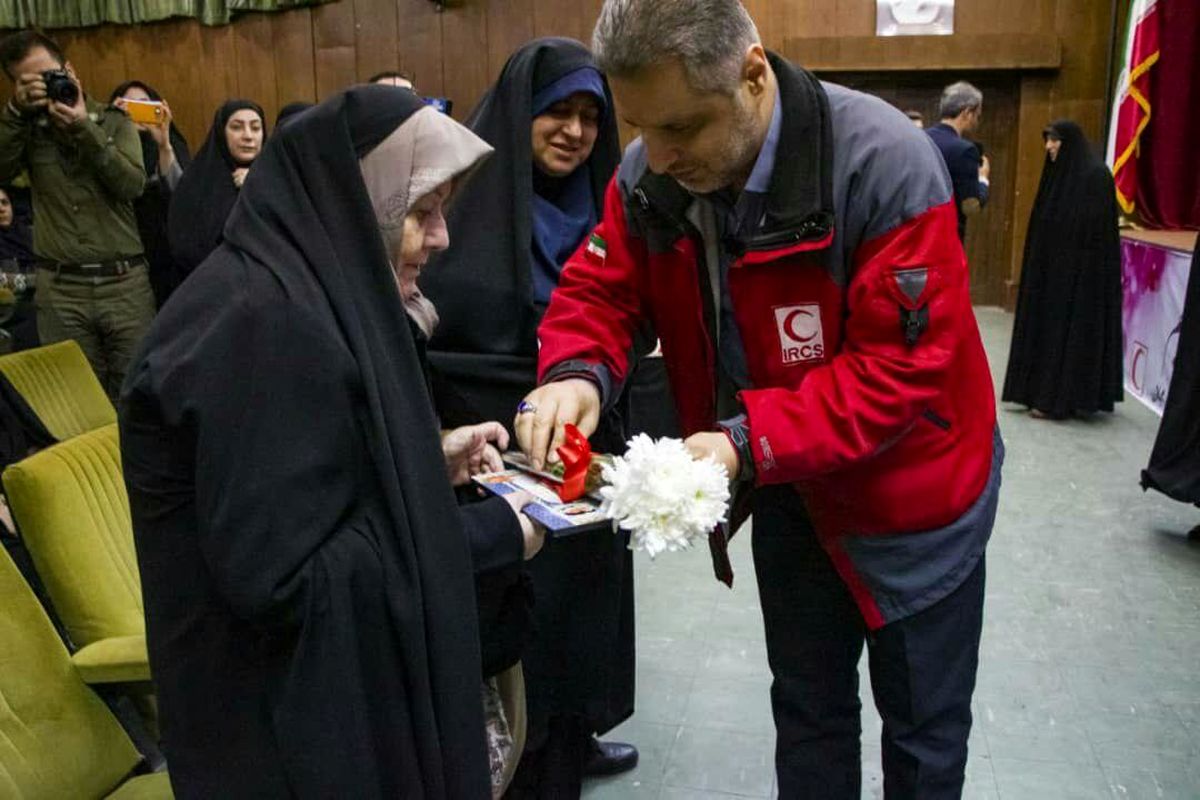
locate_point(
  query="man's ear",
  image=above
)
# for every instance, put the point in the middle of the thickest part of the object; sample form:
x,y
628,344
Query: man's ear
x,y
755,68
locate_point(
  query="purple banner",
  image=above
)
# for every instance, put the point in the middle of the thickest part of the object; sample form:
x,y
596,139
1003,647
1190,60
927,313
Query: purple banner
x,y
1154,284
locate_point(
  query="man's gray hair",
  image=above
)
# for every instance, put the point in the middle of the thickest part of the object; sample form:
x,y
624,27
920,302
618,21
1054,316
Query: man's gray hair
x,y
710,38
957,98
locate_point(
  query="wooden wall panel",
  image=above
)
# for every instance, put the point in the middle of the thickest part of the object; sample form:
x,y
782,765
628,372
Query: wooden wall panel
x,y
768,17
509,25
964,53
1031,157
590,13
168,59
989,235
295,62
571,18
253,46
333,47
218,64
314,52
856,17
1013,16
465,72
99,58
376,37
1079,90
804,18
420,44
308,54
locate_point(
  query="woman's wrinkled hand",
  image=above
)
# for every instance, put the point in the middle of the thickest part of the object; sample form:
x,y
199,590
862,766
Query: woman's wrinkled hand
x,y
472,450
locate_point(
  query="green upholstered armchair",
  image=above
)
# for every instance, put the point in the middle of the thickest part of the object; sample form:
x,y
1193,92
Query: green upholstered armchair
x,y
60,387
72,509
57,738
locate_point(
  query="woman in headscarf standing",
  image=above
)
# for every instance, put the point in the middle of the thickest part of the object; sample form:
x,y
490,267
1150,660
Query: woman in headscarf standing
x,y
1066,346
165,156
211,184
307,574
550,118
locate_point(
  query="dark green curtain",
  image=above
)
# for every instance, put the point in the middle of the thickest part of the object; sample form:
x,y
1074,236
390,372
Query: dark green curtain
x,y
83,13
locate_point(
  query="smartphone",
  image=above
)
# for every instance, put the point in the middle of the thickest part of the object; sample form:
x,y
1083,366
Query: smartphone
x,y
147,112
440,103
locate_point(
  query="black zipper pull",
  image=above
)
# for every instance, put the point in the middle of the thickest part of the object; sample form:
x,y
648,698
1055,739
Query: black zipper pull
x,y
913,322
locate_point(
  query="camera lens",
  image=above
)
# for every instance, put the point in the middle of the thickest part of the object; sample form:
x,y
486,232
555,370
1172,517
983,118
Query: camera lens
x,y
60,88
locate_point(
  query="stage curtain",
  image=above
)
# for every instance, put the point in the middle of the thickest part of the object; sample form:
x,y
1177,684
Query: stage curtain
x,y
59,14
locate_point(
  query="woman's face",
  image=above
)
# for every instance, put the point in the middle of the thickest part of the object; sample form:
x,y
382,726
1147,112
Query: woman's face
x,y
1053,145
244,135
424,233
6,210
136,93
564,135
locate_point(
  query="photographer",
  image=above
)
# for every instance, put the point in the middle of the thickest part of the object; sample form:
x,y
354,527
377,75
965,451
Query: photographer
x,y
85,168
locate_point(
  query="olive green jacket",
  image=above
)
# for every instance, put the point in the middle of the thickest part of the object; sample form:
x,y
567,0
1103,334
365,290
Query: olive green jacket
x,y
84,180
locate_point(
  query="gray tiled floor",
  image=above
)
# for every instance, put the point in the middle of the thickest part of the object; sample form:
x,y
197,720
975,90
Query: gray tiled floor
x,y
1089,685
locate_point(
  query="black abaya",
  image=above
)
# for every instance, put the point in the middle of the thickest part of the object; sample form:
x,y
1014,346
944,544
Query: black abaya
x,y
1175,463
579,663
206,193
307,581
1066,345
21,432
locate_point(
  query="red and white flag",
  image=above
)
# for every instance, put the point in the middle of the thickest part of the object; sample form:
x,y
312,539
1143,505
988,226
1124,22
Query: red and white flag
x,y
1131,105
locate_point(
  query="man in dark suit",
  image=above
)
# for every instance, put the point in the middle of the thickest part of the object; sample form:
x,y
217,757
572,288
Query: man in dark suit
x,y
961,109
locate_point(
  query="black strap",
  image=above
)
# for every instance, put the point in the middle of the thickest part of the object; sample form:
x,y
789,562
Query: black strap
x,y
97,269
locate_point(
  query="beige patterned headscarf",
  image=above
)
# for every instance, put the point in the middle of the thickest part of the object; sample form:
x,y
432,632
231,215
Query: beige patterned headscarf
x,y
429,149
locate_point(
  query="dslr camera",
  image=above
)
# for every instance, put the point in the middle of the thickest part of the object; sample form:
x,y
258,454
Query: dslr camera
x,y
59,87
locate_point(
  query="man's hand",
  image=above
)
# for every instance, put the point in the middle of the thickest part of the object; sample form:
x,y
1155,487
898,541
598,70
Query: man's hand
x,y
470,450
63,115
535,535
29,94
544,412
985,169
717,445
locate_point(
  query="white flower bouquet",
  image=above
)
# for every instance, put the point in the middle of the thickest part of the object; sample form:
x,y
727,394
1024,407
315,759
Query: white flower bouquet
x,y
663,496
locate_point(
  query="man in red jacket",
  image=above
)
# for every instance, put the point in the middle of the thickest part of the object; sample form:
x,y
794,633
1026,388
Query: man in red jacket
x,y
794,244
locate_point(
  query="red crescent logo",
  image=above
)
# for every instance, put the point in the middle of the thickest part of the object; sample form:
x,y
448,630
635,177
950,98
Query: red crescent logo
x,y
789,326
1135,375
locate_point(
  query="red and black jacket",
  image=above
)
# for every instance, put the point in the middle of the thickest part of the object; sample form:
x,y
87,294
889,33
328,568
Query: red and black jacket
x,y
871,393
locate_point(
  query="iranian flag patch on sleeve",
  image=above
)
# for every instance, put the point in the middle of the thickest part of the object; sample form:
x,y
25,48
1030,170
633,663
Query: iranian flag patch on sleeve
x,y
597,247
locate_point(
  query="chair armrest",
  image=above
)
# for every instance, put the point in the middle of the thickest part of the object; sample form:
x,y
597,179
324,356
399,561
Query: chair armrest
x,y
121,659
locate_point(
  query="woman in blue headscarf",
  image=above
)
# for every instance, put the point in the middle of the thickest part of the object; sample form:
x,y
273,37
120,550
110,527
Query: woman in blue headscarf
x,y
566,124
550,119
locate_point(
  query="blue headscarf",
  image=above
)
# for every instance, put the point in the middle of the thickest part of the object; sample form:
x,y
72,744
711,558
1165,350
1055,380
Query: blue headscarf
x,y
564,211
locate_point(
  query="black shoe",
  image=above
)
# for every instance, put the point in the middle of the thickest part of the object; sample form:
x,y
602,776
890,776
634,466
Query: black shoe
x,y
609,758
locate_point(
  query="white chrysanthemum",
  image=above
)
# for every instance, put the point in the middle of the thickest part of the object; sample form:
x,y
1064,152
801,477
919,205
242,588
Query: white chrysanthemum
x,y
663,496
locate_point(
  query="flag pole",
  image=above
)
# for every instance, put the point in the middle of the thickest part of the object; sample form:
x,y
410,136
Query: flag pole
x,y
1108,72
